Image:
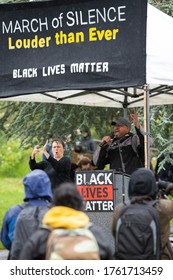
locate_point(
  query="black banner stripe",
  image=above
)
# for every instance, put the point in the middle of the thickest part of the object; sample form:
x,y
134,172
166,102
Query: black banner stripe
x,y
49,46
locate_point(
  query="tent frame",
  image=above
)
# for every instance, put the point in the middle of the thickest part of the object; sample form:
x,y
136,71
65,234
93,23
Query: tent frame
x,y
136,94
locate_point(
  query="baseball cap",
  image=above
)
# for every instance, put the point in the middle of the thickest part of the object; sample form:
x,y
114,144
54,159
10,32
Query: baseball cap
x,y
122,122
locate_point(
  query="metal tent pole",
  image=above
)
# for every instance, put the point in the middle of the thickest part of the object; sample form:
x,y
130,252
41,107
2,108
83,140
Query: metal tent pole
x,y
125,105
146,126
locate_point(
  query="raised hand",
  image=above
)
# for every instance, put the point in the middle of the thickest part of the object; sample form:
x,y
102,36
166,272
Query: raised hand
x,y
134,118
35,151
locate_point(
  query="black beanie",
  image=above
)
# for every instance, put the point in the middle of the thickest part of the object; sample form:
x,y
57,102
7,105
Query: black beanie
x,y
142,183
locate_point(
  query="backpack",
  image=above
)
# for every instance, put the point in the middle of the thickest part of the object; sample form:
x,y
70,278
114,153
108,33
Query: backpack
x,y
72,244
28,221
138,232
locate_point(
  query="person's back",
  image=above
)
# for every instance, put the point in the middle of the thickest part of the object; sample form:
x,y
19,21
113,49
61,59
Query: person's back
x,y
38,196
68,215
138,232
143,190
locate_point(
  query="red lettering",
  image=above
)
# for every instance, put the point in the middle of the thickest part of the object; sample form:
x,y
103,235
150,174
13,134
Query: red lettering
x,y
96,192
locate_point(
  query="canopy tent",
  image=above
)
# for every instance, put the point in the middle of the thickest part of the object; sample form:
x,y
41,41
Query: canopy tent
x,y
158,84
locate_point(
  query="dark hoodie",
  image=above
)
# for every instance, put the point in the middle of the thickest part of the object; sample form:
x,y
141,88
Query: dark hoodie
x,y
142,183
38,192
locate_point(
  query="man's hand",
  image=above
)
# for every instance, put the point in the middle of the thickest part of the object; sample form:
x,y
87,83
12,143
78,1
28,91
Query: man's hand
x,y
106,139
134,119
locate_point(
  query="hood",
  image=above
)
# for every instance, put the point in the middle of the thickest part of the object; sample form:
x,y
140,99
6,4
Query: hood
x,y
65,217
142,182
37,185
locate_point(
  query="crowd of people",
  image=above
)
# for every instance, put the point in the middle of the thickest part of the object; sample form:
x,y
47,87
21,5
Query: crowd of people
x,y
54,201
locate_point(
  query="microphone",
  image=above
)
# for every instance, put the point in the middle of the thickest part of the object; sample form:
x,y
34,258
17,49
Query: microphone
x,y
104,143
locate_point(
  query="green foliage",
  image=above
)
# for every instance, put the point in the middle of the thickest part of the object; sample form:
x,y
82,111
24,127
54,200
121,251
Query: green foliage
x,y
161,123
164,5
33,123
13,159
161,127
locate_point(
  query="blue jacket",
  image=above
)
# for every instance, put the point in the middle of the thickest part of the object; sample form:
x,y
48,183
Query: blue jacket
x,y
38,192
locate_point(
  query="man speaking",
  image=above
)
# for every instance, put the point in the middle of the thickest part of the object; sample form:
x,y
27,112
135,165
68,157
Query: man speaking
x,y
125,150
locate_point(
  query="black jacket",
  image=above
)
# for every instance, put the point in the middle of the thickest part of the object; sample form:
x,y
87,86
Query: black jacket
x,y
58,171
123,155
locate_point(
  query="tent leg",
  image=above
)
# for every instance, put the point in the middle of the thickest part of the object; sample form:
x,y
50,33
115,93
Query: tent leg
x,y
125,104
125,113
146,126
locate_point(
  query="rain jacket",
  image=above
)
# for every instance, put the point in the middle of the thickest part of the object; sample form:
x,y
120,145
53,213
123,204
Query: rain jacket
x,y
37,189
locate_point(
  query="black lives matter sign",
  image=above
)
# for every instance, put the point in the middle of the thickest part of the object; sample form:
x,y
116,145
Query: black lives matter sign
x,y
96,188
